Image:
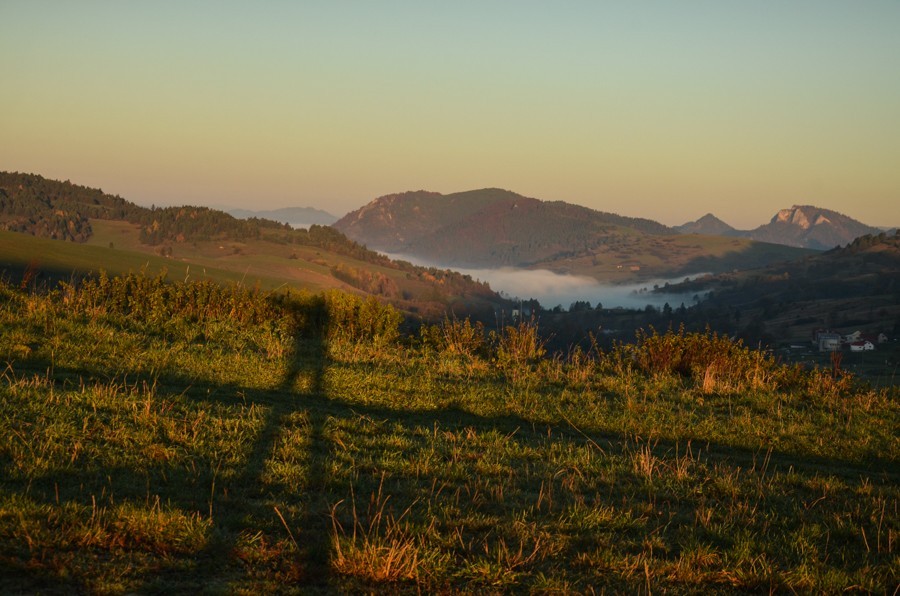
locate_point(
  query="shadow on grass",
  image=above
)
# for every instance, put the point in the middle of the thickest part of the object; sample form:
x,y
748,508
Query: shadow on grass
x,y
247,498
242,502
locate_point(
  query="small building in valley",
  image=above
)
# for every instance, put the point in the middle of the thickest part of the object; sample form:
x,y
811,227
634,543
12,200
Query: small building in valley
x,y
854,337
828,341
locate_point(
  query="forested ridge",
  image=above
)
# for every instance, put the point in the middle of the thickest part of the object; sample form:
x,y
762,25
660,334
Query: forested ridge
x,y
59,210
34,205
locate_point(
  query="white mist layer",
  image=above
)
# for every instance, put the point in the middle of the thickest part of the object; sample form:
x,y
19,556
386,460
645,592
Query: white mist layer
x,y
559,289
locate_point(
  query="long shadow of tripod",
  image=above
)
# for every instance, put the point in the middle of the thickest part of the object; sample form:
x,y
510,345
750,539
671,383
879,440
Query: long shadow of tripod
x,y
248,499
308,367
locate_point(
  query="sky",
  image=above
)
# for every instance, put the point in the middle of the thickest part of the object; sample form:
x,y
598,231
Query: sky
x,y
659,109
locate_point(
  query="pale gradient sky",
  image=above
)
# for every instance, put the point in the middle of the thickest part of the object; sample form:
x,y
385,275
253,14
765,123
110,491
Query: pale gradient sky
x,y
665,110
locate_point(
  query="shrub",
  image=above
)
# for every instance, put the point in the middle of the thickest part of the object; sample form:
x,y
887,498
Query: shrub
x,y
353,319
713,361
456,337
155,300
518,347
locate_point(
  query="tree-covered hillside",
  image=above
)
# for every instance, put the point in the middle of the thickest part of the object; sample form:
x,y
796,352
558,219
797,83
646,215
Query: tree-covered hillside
x,y
33,205
855,287
59,210
488,227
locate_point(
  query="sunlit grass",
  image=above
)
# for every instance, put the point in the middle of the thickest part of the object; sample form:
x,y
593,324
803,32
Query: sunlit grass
x,y
235,457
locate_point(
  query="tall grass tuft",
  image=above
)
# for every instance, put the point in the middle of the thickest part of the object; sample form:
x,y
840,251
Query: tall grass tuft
x,y
361,326
458,348
379,546
455,337
518,348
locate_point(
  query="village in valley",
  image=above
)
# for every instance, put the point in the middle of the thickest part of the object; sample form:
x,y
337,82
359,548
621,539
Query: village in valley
x,y
831,341
871,356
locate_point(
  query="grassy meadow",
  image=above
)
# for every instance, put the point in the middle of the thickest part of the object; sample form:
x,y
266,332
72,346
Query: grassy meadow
x,y
191,437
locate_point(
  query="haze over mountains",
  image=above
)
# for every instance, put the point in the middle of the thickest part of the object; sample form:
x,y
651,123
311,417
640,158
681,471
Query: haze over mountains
x,y
297,217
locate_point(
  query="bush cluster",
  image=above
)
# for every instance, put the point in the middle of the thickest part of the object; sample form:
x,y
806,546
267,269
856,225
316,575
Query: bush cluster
x,y
154,300
353,319
707,360
700,356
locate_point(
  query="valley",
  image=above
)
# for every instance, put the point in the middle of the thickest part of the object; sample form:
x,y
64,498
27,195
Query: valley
x,y
493,228
452,298
194,402
631,272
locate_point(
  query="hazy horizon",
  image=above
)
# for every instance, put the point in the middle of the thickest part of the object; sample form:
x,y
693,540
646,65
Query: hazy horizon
x,y
665,110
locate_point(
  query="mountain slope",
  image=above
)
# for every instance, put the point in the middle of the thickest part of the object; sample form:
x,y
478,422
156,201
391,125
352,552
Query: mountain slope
x,y
489,227
803,226
848,288
497,228
811,227
708,224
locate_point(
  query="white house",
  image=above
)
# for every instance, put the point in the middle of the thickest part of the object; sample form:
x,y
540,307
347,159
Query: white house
x,y
853,337
828,342
861,346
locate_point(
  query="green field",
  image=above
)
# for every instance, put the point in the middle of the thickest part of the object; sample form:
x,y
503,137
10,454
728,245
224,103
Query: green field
x,y
114,247
189,438
56,259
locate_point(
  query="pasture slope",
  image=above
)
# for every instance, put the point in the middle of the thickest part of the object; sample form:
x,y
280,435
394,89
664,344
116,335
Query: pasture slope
x,y
191,437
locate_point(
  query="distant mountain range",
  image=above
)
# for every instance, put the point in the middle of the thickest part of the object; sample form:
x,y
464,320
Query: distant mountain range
x,y
297,217
803,226
479,229
498,228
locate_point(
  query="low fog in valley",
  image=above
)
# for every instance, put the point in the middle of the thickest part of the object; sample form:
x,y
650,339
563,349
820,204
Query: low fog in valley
x,y
552,289
559,289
